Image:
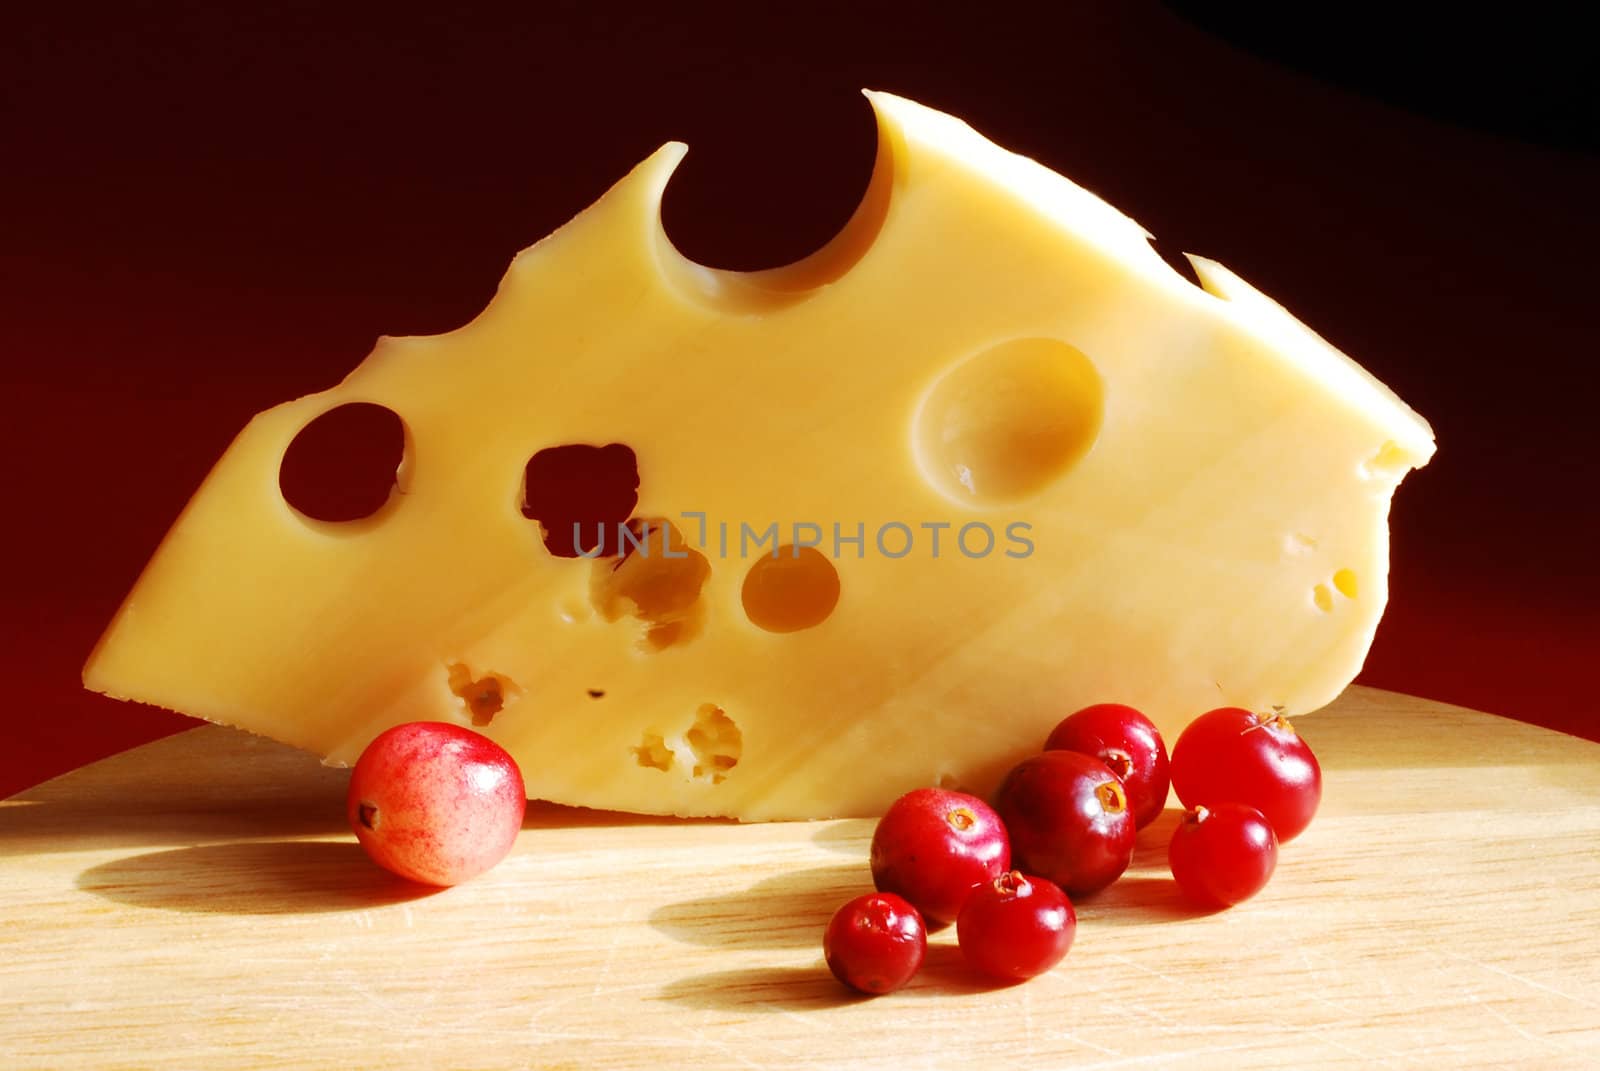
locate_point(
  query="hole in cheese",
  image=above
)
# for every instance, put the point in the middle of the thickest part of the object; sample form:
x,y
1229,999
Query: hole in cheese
x,y
709,748
1389,462
687,267
581,490
658,580
1002,425
797,589
751,197
481,697
653,752
343,465
715,742
1323,598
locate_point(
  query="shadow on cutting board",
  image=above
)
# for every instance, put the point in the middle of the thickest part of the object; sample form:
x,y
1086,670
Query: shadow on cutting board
x,y
151,820
273,877
1137,899
795,989
778,989
788,910
851,836
542,814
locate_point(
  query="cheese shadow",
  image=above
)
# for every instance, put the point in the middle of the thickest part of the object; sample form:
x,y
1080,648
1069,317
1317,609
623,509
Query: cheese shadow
x,y
847,836
50,825
271,877
252,811
787,910
542,814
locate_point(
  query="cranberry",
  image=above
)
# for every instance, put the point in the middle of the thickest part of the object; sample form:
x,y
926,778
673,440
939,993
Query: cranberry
x,y
1130,746
1224,854
875,943
434,802
1231,755
933,845
1016,926
1069,820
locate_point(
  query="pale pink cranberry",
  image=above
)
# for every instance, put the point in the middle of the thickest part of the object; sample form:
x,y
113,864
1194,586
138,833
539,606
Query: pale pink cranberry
x,y
434,802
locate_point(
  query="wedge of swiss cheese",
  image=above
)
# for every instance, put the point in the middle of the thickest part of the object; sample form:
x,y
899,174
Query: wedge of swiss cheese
x,y
1029,465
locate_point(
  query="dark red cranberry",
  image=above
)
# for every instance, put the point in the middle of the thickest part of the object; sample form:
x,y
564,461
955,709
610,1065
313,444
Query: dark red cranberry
x,y
933,846
1069,821
1232,755
1130,746
1224,854
875,943
1016,926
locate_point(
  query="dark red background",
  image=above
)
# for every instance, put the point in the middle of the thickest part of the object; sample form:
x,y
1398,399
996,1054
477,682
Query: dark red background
x,y
208,210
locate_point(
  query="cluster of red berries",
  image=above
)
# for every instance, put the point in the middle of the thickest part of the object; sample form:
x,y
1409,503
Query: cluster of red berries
x,y
1063,825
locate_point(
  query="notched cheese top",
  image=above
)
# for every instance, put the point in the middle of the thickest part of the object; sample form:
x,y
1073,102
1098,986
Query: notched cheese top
x,y
1010,463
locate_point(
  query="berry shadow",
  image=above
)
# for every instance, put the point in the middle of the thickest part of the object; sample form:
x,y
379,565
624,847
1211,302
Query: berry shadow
x,y
776,989
1150,847
944,973
274,877
787,910
1135,900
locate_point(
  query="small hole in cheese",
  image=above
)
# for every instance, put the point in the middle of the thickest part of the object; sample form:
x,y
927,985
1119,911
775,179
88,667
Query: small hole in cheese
x,y
1388,462
653,752
342,465
797,589
1323,598
481,697
1299,543
715,742
1344,581
579,494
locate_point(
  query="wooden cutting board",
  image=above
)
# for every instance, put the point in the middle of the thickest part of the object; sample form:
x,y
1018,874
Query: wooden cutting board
x,y
198,903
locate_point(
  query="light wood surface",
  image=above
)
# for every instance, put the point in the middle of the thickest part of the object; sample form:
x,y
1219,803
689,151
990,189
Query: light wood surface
x,y
197,902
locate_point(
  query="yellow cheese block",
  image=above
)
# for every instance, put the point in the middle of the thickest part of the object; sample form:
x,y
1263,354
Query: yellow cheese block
x,y
1015,464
